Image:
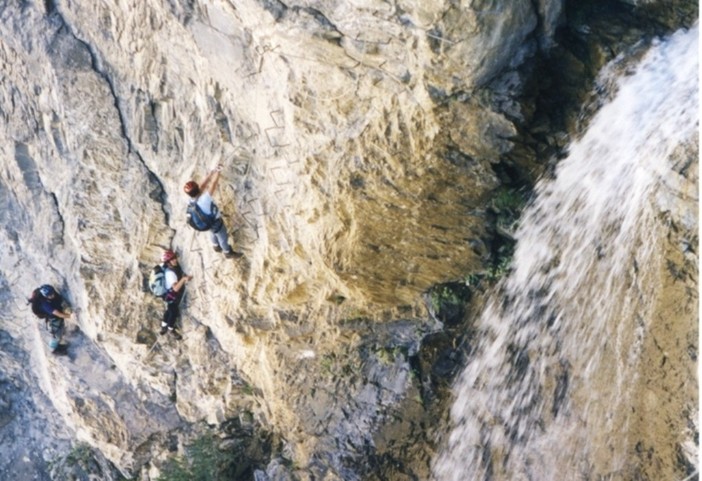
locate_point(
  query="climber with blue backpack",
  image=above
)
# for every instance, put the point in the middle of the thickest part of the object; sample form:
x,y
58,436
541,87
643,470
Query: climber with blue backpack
x,y
49,305
203,214
167,281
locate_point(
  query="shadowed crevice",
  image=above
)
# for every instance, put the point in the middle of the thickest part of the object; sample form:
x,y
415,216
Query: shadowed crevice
x,y
159,192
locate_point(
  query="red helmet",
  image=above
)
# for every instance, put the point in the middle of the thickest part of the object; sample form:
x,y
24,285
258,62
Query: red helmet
x,y
168,255
191,188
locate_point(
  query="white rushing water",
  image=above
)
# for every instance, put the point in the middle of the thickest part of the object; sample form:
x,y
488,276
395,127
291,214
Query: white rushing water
x,y
547,388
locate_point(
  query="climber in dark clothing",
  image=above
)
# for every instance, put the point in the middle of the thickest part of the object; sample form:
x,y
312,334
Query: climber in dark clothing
x,y
48,304
175,283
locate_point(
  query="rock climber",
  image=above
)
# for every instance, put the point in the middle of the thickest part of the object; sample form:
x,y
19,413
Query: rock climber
x,y
175,284
49,305
203,214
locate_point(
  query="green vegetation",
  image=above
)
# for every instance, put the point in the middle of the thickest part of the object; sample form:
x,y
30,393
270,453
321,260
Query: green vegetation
x,y
507,205
498,269
507,199
448,301
503,261
81,454
442,295
203,461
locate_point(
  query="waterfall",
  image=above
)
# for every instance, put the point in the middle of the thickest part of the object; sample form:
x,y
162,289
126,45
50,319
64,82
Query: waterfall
x,y
549,384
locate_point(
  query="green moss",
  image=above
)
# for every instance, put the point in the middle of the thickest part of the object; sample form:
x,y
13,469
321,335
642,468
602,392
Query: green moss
x,y
203,461
442,295
508,200
500,267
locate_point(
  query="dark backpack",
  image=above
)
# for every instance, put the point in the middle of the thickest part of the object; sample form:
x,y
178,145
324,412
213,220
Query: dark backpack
x,y
36,299
157,281
198,220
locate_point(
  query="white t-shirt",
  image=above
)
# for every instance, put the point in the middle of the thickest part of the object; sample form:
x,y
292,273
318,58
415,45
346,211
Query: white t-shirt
x,y
204,201
171,278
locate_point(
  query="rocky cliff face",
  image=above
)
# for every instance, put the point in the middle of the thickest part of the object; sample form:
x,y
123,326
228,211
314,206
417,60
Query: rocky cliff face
x,y
360,143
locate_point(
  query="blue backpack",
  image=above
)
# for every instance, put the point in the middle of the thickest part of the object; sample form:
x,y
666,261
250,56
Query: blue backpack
x,y
198,220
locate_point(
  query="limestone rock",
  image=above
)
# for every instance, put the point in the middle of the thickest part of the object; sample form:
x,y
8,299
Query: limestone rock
x,y
334,186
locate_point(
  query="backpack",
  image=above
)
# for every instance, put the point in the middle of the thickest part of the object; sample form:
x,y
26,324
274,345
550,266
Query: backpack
x,y
198,220
35,300
157,281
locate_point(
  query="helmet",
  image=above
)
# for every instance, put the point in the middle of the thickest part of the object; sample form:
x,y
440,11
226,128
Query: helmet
x,y
191,188
47,291
168,255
